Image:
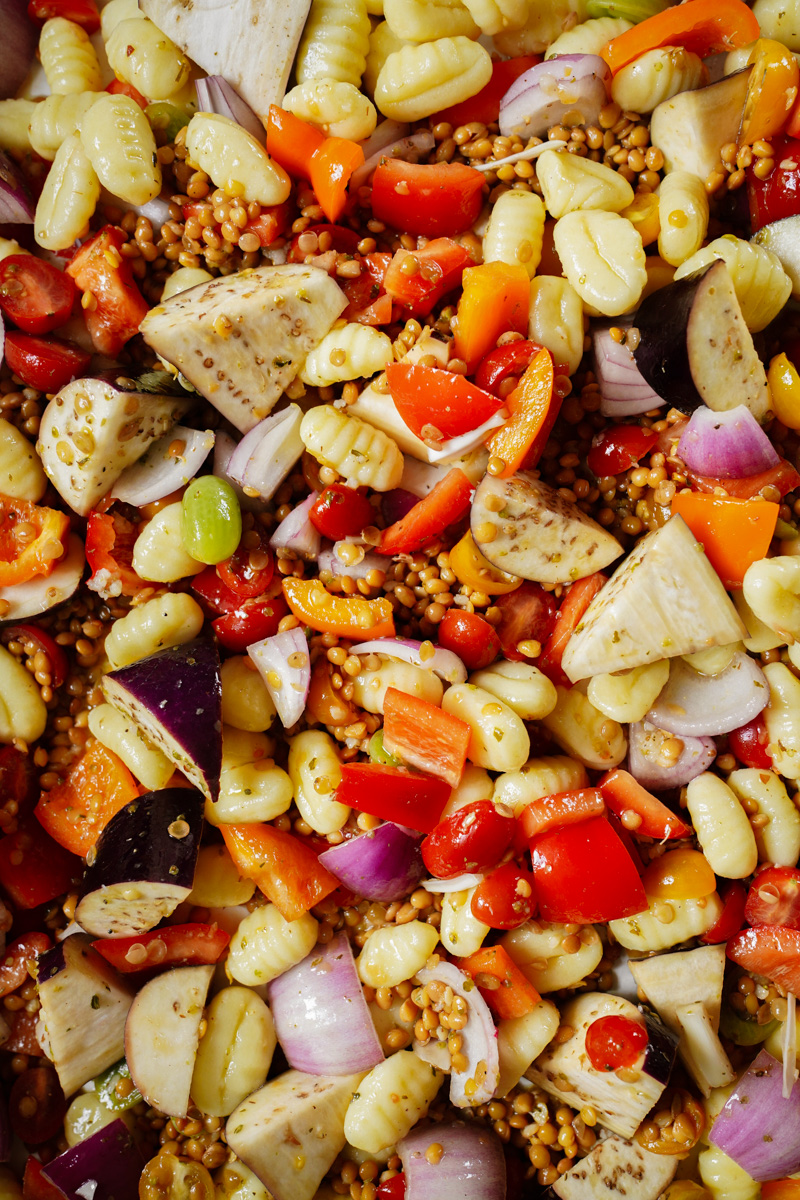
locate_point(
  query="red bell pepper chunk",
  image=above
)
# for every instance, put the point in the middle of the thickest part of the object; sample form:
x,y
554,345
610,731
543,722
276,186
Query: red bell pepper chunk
x,y
484,106
285,869
431,199
584,873
368,302
503,363
272,223
563,808
622,793
170,946
430,517
393,794
734,533
731,919
782,476
34,1184
33,868
778,195
438,403
574,605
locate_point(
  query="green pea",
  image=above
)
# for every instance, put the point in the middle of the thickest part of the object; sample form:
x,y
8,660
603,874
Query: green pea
x,y
167,118
211,520
379,754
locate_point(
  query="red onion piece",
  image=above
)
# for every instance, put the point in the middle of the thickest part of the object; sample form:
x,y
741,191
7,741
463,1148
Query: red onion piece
x,y
759,1128
472,1167
419,143
696,705
396,504
20,39
215,95
647,765
386,133
330,559
624,392
285,667
727,445
444,663
266,455
477,1082
544,95
158,473
296,532
16,206
383,864
321,1018
224,447
105,1166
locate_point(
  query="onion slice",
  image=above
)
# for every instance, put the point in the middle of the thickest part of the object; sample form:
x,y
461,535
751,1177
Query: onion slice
x,y
386,133
159,472
789,1047
460,883
455,448
296,533
472,1165
624,392
383,864
321,1018
727,445
655,769
695,705
266,455
542,96
284,665
16,206
330,559
224,447
477,1082
444,663
215,95
759,1127
20,39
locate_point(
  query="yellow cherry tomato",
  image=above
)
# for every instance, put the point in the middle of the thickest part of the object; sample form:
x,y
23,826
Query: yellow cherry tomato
x,y
771,92
684,1189
681,874
643,215
784,384
349,616
473,570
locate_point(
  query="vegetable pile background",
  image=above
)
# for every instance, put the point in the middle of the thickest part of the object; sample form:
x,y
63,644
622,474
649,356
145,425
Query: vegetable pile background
x,y
399,600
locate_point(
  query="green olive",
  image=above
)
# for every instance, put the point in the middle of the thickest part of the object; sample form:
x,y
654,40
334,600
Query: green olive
x,y
211,520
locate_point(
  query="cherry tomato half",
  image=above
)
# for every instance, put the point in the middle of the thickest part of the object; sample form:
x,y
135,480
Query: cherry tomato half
x,y
616,449
682,874
774,898
505,898
80,12
14,966
37,1105
527,615
778,195
749,744
59,663
254,621
34,294
249,570
471,637
474,838
503,363
731,919
392,1189
340,512
44,363
613,1042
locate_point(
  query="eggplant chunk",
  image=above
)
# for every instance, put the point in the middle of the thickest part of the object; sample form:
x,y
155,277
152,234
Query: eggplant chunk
x,y
84,1004
144,864
175,698
691,128
565,1071
695,348
524,527
289,1132
92,430
241,339
162,1033
664,600
783,239
616,1167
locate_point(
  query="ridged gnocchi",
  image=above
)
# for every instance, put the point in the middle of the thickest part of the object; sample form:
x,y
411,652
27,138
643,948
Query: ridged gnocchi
x,y
723,830
762,286
416,81
572,184
349,351
629,695
497,16
555,319
252,787
316,771
158,553
55,118
515,230
23,713
15,119
657,75
119,733
339,109
427,20
68,199
335,42
234,1053
21,473
522,686
498,739
140,54
217,882
383,41
537,947
266,945
592,738
460,931
68,58
171,619
372,683
520,1040
666,923
778,840
539,777
683,216
233,159
390,1100
363,455
246,703
545,22
396,952
589,37
603,259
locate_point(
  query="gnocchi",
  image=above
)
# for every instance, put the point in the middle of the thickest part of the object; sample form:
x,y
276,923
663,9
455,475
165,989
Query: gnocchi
x,y
119,733
416,81
603,259
265,945
586,734
722,827
315,771
158,553
498,738
682,215
335,42
555,320
778,840
573,184
428,20
234,160
657,75
762,286
246,703
68,199
171,619
396,952
234,1053
140,54
349,351
629,695
460,931
372,683
339,109
523,687
362,455
390,1100
68,58
515,230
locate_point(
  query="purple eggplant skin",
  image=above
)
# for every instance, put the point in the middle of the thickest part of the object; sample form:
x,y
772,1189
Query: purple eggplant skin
x,y
662,355
662,1047
110,1158
150,848
175,696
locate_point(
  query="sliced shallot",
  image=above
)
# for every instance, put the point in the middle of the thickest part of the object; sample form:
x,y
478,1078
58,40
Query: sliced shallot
x,y
266,455
296,532
695,705
336,558
285,667
657,763
444,663
215,95
170,462
624,392
544,95
759,1127
476,1083
727,445
382,864
468,1163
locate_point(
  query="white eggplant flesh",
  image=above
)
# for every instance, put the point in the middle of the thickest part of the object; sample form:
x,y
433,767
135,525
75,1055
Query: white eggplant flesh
x,y
617,1167
691,128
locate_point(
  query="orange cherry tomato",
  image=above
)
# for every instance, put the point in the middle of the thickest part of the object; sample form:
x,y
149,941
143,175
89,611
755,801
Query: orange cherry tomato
x,y
681,874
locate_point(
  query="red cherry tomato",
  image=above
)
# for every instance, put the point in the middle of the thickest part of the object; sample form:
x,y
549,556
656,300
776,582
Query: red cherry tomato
x,y
37,1105
341,512
80,12
392,1189
14,966
254,621
778,195
120,87
474,838
249,570
616,449
774,898
505,898
749,744
471,637
731,919
44,363
613,1042
34,294
59,663
502,363
527,615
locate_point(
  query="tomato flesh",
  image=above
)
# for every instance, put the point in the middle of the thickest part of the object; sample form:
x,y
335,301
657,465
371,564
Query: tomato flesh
x,y
615,1041
80,12
774,898
393,794
252,622
749,744
37,1105
769,950
504,363
731,918
778,195
434,200
681,874
473,839
110,538
527,614
44,363
471,637
438,404
617,449
341,512
506,898
249,570
34,294
120,308
585,873
438,270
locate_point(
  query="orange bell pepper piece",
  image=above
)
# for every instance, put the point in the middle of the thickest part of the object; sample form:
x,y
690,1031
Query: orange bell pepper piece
x,y
703,27
326,162
781,1189
76,811
349,616
494,300
529,403
292,142
430,516
771,92
424,736
500,981
32,540
734,533
575,604
283,867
